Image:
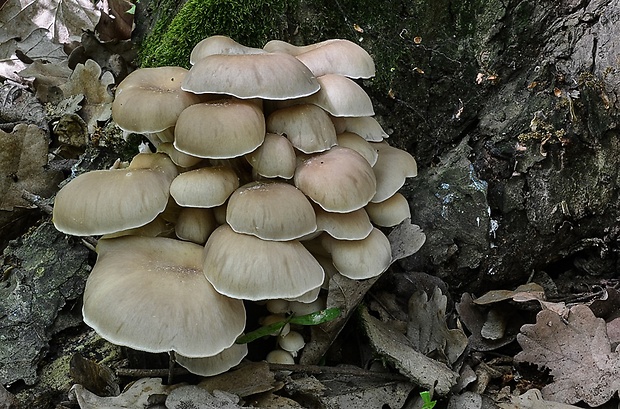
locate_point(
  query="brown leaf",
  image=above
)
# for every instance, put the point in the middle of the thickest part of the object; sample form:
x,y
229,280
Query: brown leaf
x,y
87,80
578,353
23,157
427,327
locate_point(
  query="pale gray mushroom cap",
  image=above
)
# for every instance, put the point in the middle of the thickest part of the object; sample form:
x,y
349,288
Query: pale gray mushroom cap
x,y
275,158
150,294
353,225
204,187
390,212
341,96
358,144
340,180
220,129
216,364
270,211
360,259
109,201
274,76
150,99
336,56
307,126
246,267
392,168
195,224
365,126
219,44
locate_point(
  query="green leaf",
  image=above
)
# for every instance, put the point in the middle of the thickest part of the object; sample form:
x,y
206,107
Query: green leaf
x,y
314,318
428,402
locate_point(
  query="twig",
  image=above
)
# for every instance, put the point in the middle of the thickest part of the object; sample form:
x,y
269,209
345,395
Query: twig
x,y
336,370
156,373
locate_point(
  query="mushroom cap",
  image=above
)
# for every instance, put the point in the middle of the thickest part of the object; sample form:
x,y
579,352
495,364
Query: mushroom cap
x,y
204,187
341,96
216,364
392,168
219,44
354,225
390,212
275,158
365,126
358,144
246,267
150,99
149,294
360,259
220,129
307,126
269,76
270,211
109,201
179,158
195,224
340,180
336,56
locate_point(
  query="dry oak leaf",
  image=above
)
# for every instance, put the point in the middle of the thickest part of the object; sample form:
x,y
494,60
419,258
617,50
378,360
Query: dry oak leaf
x,y
578,353
87,80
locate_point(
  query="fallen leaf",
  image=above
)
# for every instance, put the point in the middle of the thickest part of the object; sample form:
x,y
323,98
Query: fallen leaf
x,y
578,353
406,239
425,372
532,399
526,292
195,397
23,157
115,23
87,80
427,328
137,396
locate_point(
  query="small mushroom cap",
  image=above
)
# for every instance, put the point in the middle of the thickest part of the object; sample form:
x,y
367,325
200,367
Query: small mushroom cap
x,y
268,76
150,294
219,130
360,259
216,364
195,224
292,342
358,144
179,158
354,225
204,187
150,99
280,356
392,168
246,267
365,126
219,44
274,158
109,201
340,180
270,211
341,96
307,126
390,212
336,56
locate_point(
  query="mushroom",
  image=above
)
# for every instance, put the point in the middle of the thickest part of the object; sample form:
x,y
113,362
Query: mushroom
x,y
219,44
150,294
109,201
390,212
280,356
204,187
270,211
246,267
179,158
220,129
341,96
274,76
340,180
353,225
358,144
275,158
365,126
195,224
150,99
335,56
292,342
216,364
307,126
393,166
360,259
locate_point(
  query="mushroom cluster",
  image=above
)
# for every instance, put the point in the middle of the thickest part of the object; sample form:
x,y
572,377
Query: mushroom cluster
x,y
270,175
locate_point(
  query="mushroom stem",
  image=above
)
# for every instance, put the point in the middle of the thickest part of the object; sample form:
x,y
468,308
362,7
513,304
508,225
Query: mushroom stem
x,y
171,361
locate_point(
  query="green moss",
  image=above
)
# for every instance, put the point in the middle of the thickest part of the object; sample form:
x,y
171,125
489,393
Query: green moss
x,y
249,23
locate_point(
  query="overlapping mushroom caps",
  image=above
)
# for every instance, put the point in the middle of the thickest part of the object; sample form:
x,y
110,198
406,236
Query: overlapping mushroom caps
x,y
277,166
